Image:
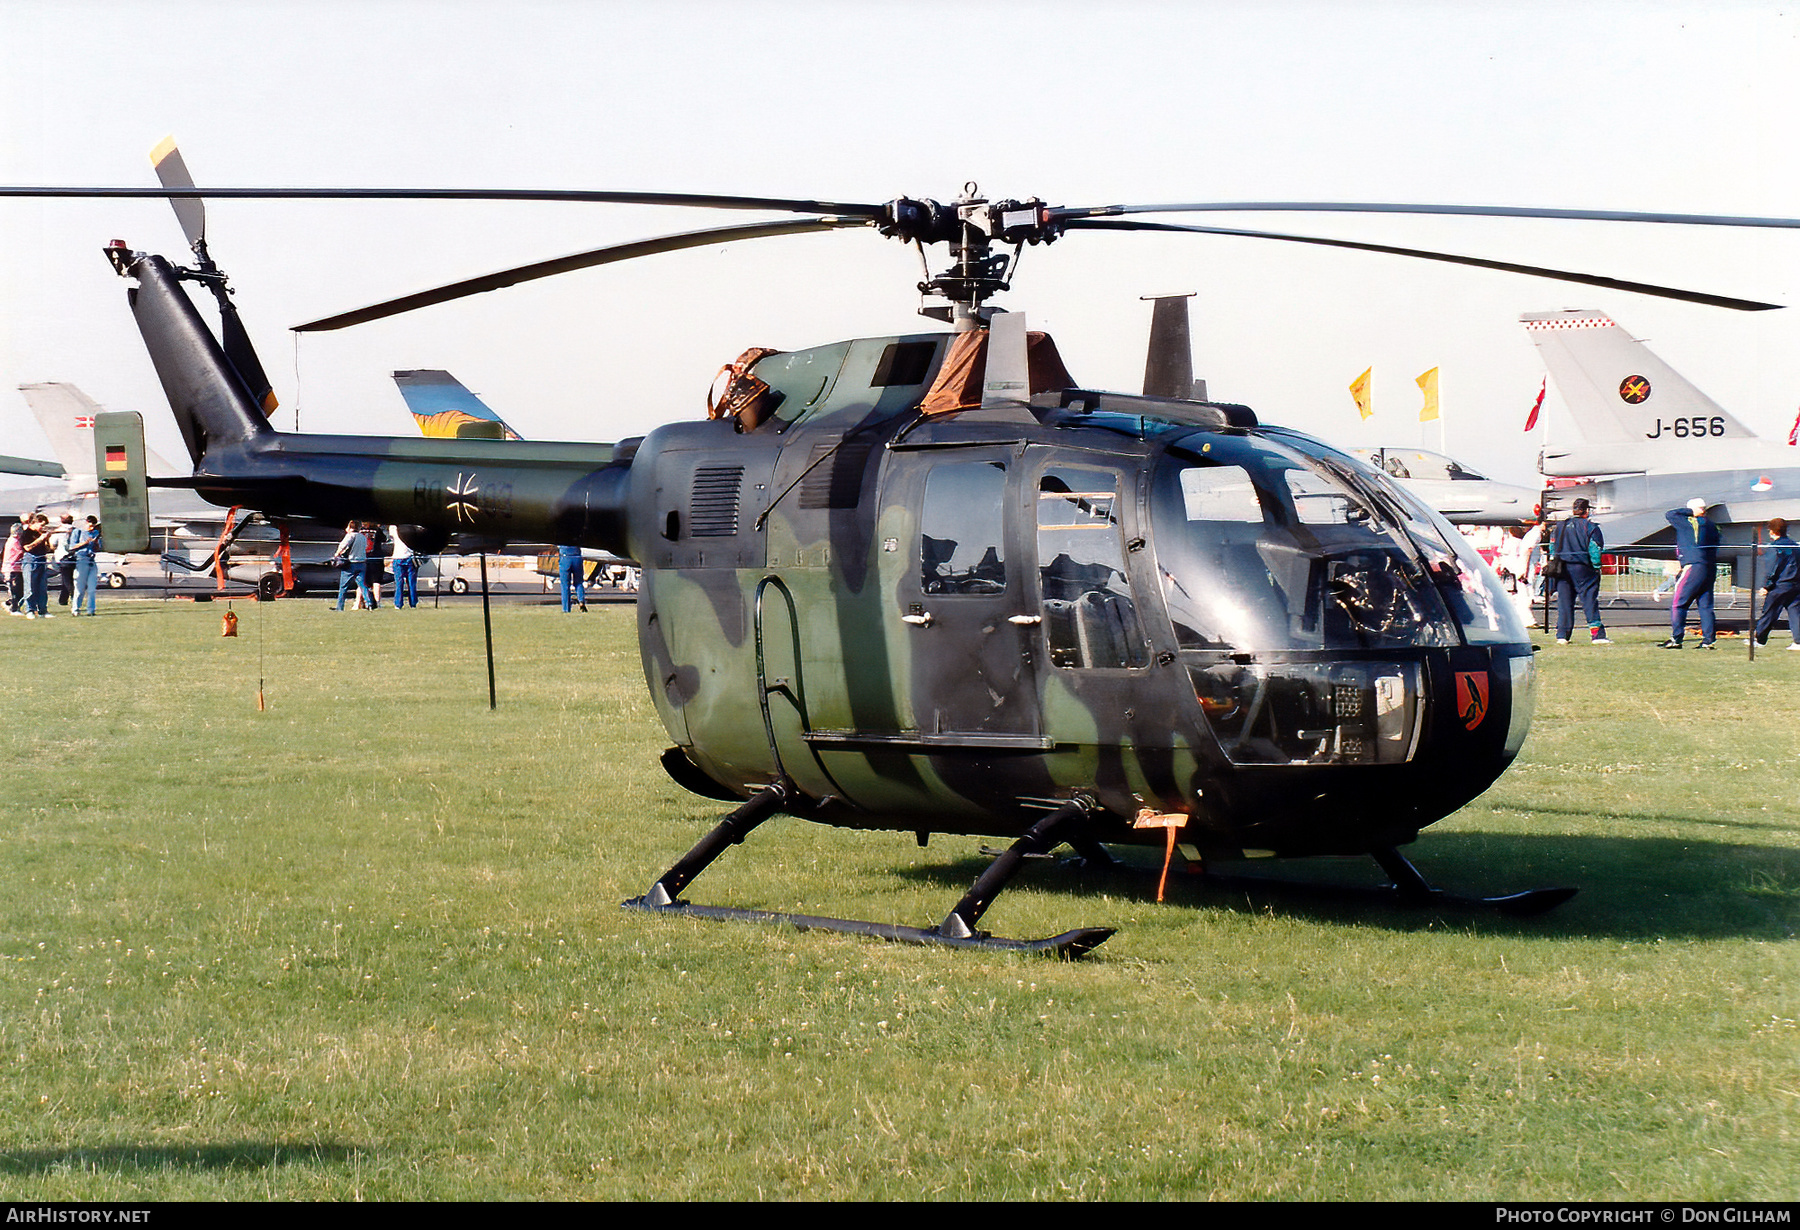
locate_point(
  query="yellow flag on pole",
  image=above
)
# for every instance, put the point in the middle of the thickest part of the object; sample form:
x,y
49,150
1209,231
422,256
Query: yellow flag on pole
x,y
1359,389
1427,383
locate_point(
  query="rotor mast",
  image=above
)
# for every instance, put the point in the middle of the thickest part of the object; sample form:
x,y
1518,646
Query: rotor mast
x,y
971,227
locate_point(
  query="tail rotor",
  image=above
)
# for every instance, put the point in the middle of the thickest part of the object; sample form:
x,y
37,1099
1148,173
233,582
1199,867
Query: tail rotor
x,y
190,211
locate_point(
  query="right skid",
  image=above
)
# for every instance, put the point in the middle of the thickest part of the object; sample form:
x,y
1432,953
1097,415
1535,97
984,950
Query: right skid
x,y
958,929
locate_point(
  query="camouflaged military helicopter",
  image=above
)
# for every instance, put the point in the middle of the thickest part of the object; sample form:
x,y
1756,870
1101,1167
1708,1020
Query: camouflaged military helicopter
x,y
929,583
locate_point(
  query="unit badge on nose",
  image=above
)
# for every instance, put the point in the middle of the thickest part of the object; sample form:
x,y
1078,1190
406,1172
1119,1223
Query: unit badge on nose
x,y
1471,697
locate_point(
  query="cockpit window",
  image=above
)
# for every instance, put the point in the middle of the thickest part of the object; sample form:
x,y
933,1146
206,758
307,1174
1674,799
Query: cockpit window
x,y
1262,547
1089,618
962,543
1219,493
1319,501
1468,585
1418,463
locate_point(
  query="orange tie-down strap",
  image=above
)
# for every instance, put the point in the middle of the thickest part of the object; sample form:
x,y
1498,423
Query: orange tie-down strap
x,y
736,393
1168,822
225,539
285,553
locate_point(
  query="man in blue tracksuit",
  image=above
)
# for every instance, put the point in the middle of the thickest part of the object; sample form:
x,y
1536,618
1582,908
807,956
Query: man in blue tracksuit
x,y
1783,586
1578,544
1697,549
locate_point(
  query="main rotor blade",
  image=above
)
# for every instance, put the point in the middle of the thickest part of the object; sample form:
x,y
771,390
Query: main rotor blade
x,y
578,260
172,170
863,209
1365,207
1536,271
695,200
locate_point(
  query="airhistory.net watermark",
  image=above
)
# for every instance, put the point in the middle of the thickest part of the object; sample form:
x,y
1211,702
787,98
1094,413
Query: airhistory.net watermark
x,y
63,1215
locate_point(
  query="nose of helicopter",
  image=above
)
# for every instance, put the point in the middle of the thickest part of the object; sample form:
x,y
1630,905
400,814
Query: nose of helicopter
x,y
1345,758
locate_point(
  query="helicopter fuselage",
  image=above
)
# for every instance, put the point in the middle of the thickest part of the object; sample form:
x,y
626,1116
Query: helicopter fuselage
x,y
956,623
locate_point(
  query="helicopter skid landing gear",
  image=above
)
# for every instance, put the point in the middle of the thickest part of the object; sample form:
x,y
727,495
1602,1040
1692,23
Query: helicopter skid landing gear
x,y
1407,887
729,832
956,931
1411,888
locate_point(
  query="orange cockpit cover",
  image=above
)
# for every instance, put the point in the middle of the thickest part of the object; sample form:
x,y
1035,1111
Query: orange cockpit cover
x,y
958,383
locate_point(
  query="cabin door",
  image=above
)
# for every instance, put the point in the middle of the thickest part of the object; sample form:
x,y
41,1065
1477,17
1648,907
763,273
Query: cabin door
x,y
969,613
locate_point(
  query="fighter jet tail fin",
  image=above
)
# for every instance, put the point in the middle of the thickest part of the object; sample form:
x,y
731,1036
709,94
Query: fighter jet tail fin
x,y
67,416
1169,362
1617,390
441,406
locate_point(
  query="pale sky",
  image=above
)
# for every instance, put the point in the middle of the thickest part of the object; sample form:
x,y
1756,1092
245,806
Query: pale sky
x,y
1640,106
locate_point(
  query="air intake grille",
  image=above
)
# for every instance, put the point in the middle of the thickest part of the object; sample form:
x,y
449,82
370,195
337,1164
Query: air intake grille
x,y
836,481
713,511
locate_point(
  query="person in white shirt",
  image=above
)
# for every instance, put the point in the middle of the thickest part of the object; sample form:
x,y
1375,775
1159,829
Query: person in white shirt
x,y
406,570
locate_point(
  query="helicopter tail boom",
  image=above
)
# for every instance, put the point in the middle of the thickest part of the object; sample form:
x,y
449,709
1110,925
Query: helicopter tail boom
x,y
498,490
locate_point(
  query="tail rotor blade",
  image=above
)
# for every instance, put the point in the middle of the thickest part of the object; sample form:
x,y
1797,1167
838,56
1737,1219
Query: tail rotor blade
x,y
235,340
190,211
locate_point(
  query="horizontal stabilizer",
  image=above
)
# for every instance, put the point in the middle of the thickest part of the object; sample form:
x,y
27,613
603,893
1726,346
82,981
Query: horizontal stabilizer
x,y
29,467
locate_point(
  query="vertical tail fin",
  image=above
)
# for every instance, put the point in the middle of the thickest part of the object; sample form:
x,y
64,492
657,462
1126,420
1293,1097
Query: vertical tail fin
x,y
1617,390
212,405
124,495
441,406
1169,364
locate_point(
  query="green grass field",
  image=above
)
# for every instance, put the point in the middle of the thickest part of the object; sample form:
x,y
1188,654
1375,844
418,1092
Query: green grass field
x,y
368,944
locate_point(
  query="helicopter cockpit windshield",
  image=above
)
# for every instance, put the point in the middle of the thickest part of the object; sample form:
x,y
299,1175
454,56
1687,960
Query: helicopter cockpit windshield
x,y
1301,589
1271,551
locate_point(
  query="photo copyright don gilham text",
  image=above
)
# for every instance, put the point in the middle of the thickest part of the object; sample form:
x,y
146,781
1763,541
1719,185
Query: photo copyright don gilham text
x,y
1668,1214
